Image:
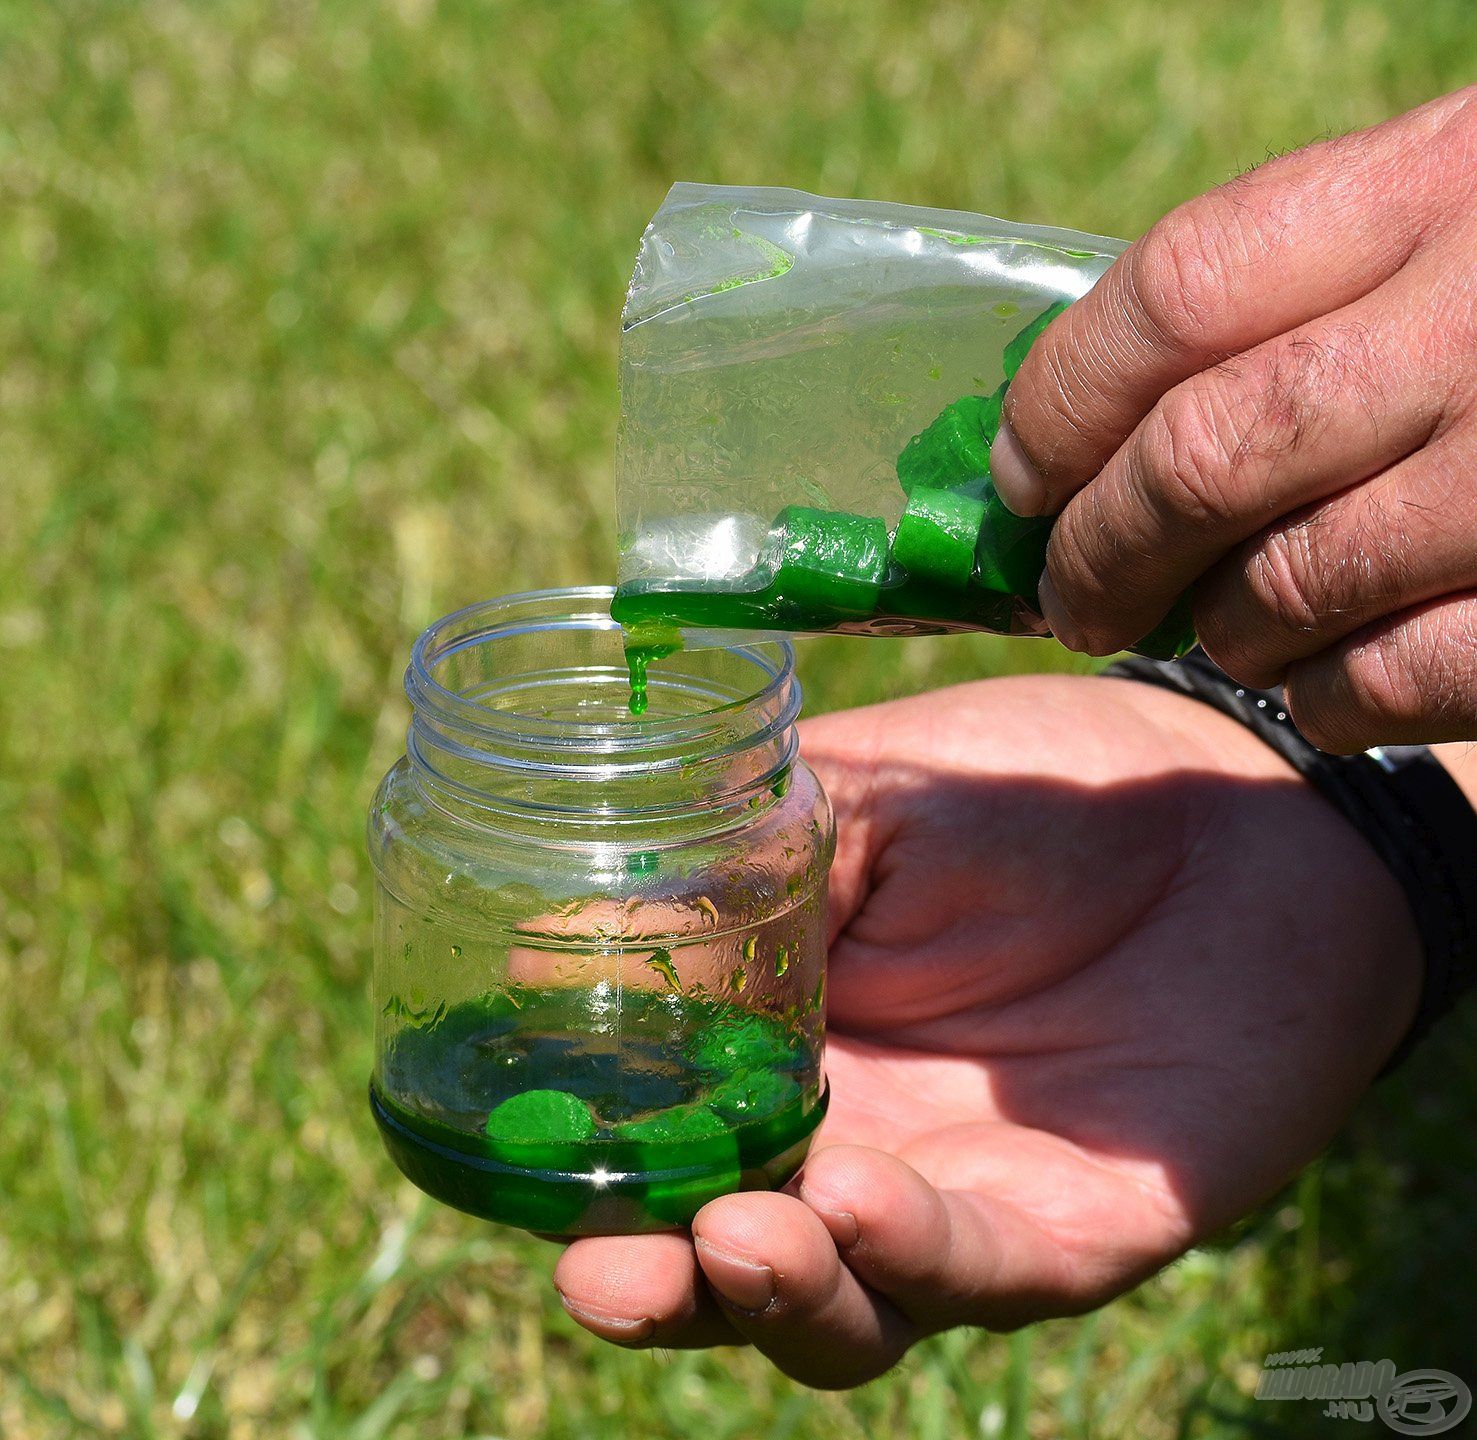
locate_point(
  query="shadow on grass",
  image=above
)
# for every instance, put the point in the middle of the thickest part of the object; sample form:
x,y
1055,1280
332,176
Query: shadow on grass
x,y
1374,1244
1400,1216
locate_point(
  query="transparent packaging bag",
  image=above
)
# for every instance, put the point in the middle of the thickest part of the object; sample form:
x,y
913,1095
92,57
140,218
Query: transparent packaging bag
x,y
809,389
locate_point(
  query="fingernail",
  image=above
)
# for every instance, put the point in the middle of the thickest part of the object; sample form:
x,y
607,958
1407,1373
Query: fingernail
x,y
1017,481
618,1329
1056,617
745,1283
841,1223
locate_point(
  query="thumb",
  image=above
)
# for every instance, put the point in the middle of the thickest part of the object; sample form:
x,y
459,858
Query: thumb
x,y
942,1257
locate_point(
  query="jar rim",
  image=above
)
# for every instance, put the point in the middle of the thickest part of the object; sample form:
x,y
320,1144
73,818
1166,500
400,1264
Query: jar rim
x,y
583,607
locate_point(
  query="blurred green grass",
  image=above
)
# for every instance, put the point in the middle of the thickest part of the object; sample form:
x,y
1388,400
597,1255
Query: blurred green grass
x,y
307,335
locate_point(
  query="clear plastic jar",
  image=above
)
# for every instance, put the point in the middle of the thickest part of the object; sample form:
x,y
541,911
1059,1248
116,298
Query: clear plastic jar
x,y
600,940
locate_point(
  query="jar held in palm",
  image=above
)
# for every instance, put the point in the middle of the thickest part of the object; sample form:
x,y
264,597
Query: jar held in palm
x,y
600,940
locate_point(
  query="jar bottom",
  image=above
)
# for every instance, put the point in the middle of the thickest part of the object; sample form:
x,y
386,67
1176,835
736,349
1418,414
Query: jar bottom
x,y
595,1187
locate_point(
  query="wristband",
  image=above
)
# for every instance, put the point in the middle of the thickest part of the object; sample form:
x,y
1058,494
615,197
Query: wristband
x,y
1399,797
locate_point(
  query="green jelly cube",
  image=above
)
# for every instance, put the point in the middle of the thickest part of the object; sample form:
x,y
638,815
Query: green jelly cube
x,y
937,535
1015,352
828,562
680,1122
681,1184
955,449
539,1116
1012,549
740,1039
1172,636
753,1095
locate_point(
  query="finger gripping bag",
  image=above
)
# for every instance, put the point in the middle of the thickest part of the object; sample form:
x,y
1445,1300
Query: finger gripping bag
x,y
809,390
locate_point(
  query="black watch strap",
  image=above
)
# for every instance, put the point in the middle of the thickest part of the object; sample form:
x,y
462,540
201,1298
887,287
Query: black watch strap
x,y
1399,797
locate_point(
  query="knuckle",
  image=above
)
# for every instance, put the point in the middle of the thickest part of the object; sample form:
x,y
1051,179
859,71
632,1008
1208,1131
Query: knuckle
x,y
1417,671
1054,408
1287,393
1322,713
1286,387
1064,383
1286,581
1249,622
1379,678
1415,680
1186,449
1176,277
1433,662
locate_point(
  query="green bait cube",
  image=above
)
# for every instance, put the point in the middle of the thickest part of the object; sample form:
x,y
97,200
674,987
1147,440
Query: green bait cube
x,y
1012,549
738,1040
753,1095
1172,636
1015,352
937,535
540,1116
955,449
827,562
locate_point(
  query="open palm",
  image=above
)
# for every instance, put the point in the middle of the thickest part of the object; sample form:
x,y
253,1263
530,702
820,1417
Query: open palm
x,y
1104,973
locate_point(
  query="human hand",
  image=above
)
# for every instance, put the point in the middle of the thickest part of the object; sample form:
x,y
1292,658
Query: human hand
x,y
1105,972
1273,396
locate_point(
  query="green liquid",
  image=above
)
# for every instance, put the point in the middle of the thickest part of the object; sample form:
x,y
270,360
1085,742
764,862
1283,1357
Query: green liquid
x,y
905,608
1000,599
643,610
912,607
639,655
689,1098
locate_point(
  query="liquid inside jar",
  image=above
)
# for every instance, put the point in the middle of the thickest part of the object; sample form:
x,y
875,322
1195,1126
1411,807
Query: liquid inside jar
x,y
602,1093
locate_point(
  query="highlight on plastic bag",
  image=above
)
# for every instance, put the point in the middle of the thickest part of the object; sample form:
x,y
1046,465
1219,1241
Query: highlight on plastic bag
x,y
809,391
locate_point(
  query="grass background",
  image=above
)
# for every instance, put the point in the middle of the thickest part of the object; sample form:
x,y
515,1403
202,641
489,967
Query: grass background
x,y
307,336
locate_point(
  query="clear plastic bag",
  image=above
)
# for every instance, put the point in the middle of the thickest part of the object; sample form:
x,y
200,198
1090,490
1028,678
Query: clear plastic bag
x,y
809,388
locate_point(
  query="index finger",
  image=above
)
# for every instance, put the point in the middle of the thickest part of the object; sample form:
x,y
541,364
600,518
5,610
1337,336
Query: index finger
x,y
1303,235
